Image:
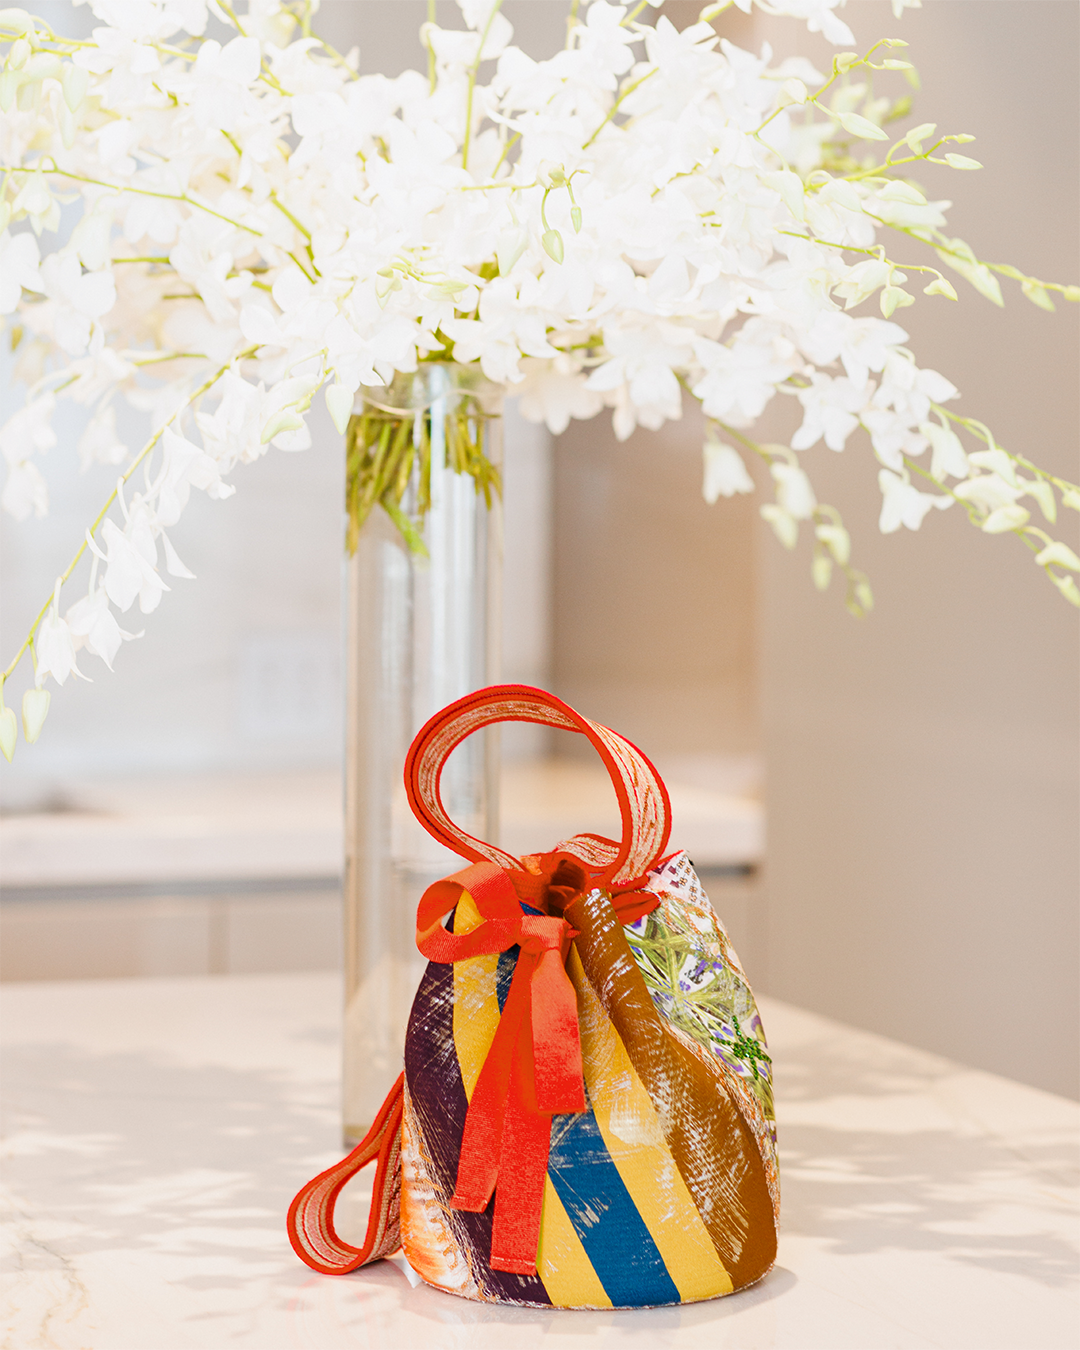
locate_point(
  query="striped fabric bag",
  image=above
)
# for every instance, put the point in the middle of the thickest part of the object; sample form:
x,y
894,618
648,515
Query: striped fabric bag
x,y
585,1117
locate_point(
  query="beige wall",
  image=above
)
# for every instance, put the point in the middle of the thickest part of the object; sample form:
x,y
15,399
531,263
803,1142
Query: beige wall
x,y
922,798
654,608
922,877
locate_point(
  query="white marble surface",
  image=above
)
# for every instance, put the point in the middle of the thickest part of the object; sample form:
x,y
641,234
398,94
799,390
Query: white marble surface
x,y
155,1130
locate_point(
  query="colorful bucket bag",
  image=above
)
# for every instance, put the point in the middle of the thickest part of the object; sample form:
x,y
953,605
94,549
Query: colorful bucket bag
x,y
585,1117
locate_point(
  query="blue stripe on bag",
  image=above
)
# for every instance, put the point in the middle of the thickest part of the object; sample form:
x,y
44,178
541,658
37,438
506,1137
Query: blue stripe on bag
x,y
611,1230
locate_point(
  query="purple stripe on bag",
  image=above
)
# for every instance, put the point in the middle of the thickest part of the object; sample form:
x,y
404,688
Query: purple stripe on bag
x,y
437,1097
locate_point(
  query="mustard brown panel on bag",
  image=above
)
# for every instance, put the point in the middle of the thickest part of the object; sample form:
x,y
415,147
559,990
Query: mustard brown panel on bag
x,y
585,1117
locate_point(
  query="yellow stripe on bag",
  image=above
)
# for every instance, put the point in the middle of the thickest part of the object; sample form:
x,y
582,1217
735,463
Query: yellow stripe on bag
x,y
476,1004
632,1134
561,1260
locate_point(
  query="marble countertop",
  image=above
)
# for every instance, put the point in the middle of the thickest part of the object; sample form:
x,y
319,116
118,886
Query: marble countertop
x,y
186,827
155,1130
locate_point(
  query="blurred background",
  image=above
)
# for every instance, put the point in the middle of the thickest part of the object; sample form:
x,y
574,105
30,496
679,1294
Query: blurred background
x,y
885,812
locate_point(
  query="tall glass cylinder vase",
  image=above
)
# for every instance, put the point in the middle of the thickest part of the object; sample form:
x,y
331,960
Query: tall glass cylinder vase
x,y
424,611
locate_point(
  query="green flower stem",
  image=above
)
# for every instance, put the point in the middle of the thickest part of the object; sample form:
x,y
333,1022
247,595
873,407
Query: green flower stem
x,y
159,357
983,433
265,73
858,601
838,69
571,21
273,197
943,245
54,172
431,49
618,103
11,35
474,70
1031,536
510,143
387,452
878,251
207,384
876,170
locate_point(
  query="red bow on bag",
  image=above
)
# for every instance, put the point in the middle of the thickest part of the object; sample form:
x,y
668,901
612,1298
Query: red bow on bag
x,y
533,1069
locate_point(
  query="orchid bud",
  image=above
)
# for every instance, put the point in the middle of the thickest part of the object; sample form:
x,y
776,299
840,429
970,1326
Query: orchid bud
x,y
791,189
282,421
893,298
509,248
575,218
917,135
862,127
821,571
553,244
1067,587
785,526
997,461
962,138
845,60
74,81
1058,553
1071,293
386,280
962,161
1071,498
9,87
35,706
339,400
837,540
1043,493
1037,295
9,731
864,595
1005,518
68,127
939,286
19,54
17,20
795,91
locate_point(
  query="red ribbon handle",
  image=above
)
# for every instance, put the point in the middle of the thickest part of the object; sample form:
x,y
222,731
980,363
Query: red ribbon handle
x,y
643,799
533,1068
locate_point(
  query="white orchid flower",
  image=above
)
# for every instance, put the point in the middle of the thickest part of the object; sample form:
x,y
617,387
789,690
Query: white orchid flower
x,y
131,568
55,646
19,258
93,625
725,472
903,504
644,214
80,298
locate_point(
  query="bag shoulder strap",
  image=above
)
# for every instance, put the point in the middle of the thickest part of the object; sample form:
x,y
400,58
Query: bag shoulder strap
x,y
311,1215
643,799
